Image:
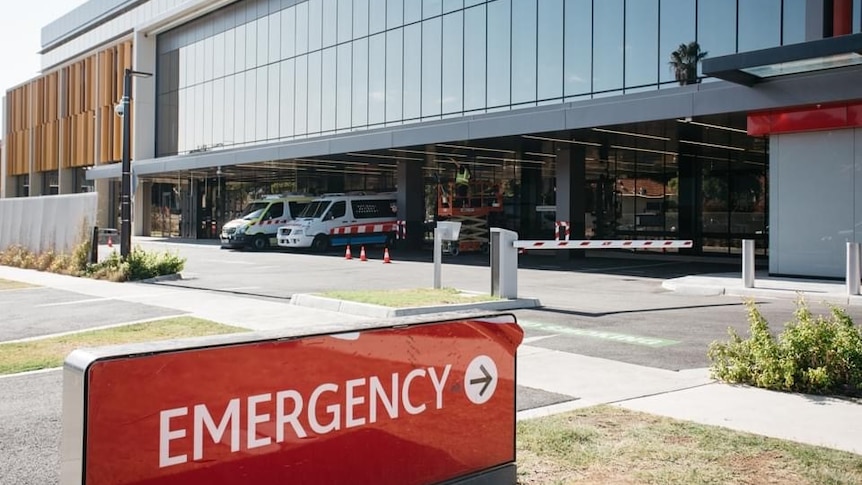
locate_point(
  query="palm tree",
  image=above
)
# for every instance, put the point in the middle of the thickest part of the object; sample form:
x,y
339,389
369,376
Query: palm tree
x,y
684,61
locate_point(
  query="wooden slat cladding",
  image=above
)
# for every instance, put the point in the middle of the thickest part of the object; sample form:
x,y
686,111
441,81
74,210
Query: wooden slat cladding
x,y
69,113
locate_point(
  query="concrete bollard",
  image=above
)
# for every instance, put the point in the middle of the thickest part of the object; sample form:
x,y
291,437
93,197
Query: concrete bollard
x,y
748,263
852,272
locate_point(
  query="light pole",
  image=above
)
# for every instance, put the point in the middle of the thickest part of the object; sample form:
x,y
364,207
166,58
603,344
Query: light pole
x,y
126,189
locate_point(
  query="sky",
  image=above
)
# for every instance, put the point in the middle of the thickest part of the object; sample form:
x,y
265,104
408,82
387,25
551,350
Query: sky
x,y
21,25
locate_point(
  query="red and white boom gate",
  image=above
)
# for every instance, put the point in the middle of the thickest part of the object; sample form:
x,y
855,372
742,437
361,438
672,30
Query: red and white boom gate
x,y
505,246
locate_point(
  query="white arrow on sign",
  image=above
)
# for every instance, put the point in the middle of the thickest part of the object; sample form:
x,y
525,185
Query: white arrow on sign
x,y
480,381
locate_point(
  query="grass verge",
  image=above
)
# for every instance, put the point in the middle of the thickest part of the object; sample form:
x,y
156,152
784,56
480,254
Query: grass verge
x,y
13,285
410,297
52,351
605,444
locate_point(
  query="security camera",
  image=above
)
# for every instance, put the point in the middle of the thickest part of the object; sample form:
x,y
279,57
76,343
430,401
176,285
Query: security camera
x,y
118,109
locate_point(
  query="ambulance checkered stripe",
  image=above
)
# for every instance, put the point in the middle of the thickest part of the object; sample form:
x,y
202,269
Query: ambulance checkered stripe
x,y
591,244
273,222
365,228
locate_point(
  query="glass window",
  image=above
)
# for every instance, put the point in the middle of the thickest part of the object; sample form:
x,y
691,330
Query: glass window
x,y
314,100
239,108
377,79
759,24
360,82
207,114
432,42
716,28
230,52
452,5
470,3
338,209
524,51
301,28
677,27
412,11
288,26
412,71
182,120
274,38
201,109
261,100
549,77
857,19
641,42
360,18
275,211
328,89
315,24
431,8
394,72
197,63
608,45
251,45
394,13
262,40
208,59
229,109
499,53
377,16
218,54
453,62
250,106
793,28
218,108
285,116
345,20
344,60
474,58
330,22
301,96
578,47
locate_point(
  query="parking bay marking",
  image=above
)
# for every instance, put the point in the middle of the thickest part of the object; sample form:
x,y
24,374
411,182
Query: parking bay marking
x,y
600,334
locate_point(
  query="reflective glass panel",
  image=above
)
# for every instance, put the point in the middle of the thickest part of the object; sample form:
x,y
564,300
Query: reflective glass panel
x,y
251,46
229,110
431,8
315,24
230,51
218,109
377,79
412,11
523,51
301,97
345,20
452,5
207,115
716,27
288,39
608,45
250,106
377,16
330,22
344,60
261,110
759,24
274,38
393,74
499,52
302,28
208,59
272,101
394,13
285,127
677,27
314,92
239,108
432,43
641,42
474,57
360,82
262,41
412,71
328,90
360,18
549,77
793,29
453,62
578,47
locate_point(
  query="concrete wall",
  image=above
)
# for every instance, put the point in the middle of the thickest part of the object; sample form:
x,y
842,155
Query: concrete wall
x,y
813,206
46,223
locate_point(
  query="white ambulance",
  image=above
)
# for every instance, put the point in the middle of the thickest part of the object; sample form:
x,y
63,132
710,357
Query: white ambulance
x,y
341,219
256,228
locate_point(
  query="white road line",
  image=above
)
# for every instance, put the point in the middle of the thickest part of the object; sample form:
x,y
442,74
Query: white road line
x,y
30,373
240,288
76,302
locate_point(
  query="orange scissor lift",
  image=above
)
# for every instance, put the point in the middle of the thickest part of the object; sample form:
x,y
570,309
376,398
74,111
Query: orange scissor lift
x,y
471,209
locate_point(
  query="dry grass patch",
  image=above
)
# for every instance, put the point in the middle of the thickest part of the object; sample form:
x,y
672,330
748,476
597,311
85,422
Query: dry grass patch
x,y
52,351
410,297
13,285
609,445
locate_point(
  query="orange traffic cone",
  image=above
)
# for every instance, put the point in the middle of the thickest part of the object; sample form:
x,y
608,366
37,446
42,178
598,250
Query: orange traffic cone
x,y
386,255
362,254
347,254
110,242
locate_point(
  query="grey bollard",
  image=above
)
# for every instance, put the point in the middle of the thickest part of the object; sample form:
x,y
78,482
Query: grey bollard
x,y
748,263
504,263
438,257
852,271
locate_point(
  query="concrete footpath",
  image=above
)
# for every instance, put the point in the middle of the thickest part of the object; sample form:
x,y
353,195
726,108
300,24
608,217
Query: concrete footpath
x,y
689,395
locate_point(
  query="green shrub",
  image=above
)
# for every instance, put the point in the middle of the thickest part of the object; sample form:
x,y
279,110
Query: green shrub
x,y
814,354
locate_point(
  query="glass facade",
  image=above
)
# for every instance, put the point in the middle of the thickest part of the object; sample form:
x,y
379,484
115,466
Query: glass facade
x,y
264,70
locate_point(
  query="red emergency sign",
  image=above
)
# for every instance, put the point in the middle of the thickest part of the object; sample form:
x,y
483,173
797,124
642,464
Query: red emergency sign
x,y
418,404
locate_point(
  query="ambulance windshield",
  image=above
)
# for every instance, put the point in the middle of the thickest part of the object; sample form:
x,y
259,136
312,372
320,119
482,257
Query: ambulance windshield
x,y
254,210
315,209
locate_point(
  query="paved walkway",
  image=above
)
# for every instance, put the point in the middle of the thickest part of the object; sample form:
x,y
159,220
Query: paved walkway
x,y
689,395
